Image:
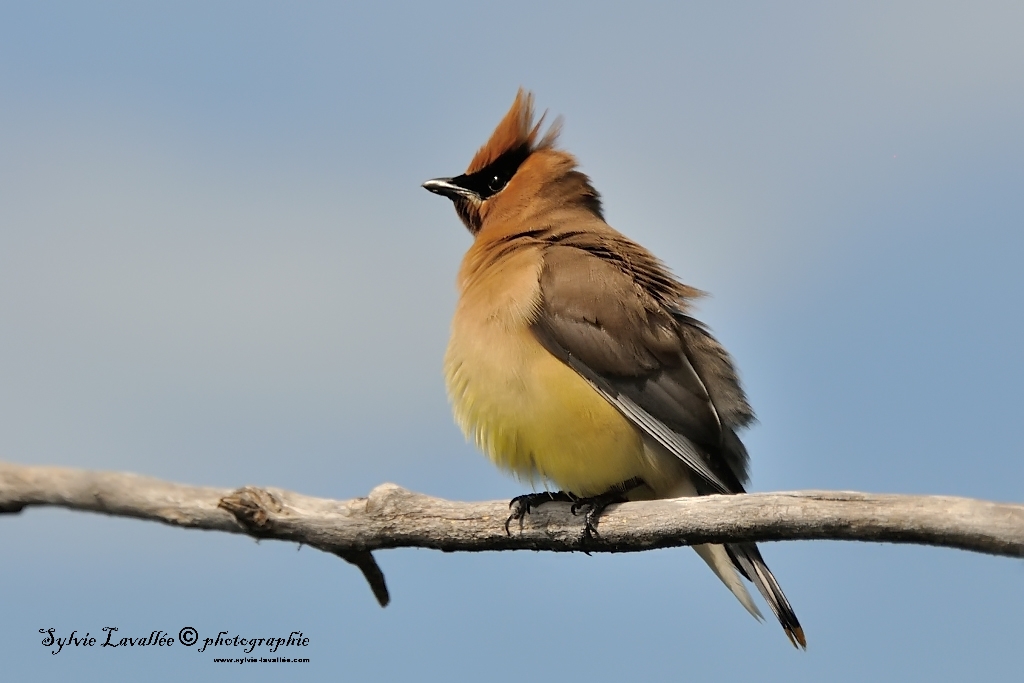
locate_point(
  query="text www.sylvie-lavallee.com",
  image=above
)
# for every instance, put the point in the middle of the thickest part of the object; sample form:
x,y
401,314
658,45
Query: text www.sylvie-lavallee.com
x,y
262,660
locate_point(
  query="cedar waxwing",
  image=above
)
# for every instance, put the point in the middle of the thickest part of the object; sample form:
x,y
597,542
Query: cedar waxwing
x,y
573,358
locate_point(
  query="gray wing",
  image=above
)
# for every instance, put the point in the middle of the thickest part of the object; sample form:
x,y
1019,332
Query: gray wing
x,y
661,369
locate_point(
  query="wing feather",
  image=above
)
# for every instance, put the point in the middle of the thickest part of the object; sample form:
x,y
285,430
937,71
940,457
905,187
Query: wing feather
x,y
646,358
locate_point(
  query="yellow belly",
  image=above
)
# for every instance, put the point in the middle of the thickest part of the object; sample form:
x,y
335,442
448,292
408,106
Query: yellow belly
x,y
533,415
529,412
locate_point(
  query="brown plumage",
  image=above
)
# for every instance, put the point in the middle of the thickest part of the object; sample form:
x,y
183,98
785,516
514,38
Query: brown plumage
x,y
573,357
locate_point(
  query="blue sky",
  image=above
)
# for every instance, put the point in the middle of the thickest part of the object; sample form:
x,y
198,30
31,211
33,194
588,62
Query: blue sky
x,y
217,266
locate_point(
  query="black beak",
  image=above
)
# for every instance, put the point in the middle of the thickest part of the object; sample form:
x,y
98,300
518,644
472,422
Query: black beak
x,y
446,187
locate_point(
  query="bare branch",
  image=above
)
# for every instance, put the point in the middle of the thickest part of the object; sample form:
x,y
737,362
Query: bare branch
x,y
392,517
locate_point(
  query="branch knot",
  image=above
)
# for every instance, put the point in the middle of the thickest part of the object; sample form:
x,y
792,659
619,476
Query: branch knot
x,y
253,507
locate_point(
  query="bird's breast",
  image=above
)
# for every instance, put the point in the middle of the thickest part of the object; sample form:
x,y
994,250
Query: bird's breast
x,y
528,411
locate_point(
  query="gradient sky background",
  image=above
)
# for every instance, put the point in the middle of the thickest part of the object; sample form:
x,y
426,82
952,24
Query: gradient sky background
x,y
217,266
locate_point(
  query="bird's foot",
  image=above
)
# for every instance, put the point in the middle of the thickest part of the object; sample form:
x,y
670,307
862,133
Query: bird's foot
x,y
520,506
598,504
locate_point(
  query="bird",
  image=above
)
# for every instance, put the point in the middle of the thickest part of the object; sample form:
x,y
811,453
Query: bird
x,y
574,358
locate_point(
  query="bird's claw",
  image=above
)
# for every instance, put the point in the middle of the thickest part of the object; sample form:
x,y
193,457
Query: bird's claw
x,y
520,506
597,505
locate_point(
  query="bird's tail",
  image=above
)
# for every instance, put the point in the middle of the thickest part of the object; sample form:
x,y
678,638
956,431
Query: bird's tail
x,y
748,560
733,560
721,564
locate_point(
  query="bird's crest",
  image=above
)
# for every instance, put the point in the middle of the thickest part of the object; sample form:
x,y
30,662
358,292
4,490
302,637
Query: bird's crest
x,y
516,130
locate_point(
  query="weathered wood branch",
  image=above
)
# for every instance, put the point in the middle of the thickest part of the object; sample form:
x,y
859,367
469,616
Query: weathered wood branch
x,y
392,517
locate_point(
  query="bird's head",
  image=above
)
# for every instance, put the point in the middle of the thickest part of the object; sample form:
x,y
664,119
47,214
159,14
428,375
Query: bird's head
x,y
517,170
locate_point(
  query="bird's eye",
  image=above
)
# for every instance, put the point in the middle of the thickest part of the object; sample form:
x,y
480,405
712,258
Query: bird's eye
x,y
493,178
